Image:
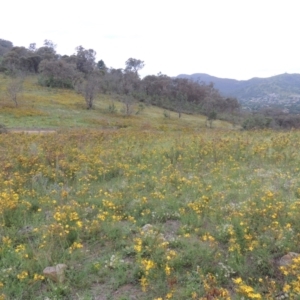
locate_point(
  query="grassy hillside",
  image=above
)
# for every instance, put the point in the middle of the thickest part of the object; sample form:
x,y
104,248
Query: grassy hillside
x,y
41,107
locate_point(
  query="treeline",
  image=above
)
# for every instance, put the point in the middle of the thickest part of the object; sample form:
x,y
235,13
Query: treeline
x,y
88,77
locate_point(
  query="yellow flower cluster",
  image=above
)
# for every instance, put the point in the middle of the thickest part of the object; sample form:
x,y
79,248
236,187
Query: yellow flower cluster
x,y
245,290
291,271
74,246
23,275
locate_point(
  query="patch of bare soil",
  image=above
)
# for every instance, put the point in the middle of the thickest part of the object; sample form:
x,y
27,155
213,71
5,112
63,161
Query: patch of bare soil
x,y
101,292
170,229
42,131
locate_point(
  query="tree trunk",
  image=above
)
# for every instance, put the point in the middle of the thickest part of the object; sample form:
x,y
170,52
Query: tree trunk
x,y
89,103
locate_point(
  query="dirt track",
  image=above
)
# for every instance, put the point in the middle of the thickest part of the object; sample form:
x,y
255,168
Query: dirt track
x,y
32,131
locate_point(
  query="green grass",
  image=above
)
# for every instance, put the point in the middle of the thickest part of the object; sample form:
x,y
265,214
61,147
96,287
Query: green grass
x,y
221,210
41,107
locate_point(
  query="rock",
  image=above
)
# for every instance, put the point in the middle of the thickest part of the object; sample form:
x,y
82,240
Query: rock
x,y
288,258
56,273
26,230
146,228
171,228
48,215
281,296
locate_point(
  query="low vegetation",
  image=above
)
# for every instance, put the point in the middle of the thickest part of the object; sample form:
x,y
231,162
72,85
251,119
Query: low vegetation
x,y
270,118
182,215
130,200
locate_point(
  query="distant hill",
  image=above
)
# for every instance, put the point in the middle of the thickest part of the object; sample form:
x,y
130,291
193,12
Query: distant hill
x,y
224,85
281,90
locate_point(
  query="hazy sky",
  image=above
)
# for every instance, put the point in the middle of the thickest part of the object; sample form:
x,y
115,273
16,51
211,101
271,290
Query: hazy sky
x,y
237,39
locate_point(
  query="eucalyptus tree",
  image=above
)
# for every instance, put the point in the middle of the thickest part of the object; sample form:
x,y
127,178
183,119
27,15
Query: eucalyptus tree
x,y
134,65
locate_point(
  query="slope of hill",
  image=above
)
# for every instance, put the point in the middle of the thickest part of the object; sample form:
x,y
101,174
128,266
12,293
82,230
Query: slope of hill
x,y
46,108
280,90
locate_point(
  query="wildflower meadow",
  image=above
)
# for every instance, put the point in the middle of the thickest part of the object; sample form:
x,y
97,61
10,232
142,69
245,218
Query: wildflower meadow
x,y
145,214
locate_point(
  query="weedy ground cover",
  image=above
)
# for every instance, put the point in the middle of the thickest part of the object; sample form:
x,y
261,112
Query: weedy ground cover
x,y
149,214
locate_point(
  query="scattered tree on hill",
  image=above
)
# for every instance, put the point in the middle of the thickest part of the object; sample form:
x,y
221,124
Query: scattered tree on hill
x,y
131,83
85,60
156,87
179,92
49,44
231,104
125,84
129,86
58,73
134,65
89,88
32,47
211,117
108,83
48,51
14,88
101,66
31,63
14,60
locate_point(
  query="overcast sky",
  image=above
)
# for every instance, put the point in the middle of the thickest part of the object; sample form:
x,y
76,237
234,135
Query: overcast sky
x,y
237,39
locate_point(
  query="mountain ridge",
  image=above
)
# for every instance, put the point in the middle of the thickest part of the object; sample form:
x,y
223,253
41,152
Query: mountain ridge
x,y
281,90
230,87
